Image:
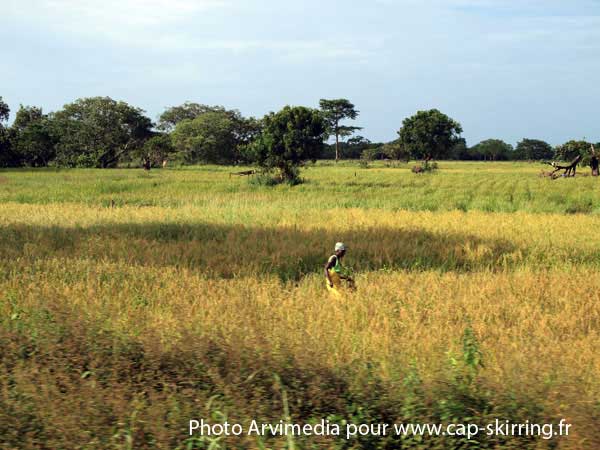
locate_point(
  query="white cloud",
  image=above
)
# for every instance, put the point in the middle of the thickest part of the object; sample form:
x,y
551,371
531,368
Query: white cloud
x,y
129,12
173,25
118,20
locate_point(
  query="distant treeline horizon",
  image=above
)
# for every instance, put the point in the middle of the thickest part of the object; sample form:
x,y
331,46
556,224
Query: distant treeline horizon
x,y
102,132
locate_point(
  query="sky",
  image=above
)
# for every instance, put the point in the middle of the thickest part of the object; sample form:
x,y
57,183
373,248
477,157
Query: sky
x,y
506,69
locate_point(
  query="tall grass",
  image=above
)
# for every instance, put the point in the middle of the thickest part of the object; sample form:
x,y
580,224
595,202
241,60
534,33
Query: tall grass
x,y
125,311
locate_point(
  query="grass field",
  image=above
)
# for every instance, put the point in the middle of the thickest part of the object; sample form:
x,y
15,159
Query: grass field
x,y
131,302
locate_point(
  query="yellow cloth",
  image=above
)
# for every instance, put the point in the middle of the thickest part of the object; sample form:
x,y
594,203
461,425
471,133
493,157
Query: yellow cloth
x,y
336,290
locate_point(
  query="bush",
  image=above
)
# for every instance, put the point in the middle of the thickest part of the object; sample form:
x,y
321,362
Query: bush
x,y
425,167
367,156
268,178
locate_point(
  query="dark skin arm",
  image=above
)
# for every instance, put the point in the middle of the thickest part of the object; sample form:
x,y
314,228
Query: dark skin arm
x,y
329,265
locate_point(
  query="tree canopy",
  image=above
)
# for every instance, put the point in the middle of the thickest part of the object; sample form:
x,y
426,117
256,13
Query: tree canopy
x,y
102,132
335,111
4,112
289,138
533,149
169,119
97,131
570,150
6,156
492,150
33,137
209,138
429,134
27,115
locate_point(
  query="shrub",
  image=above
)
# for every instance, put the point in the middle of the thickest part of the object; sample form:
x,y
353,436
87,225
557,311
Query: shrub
x,y
425,167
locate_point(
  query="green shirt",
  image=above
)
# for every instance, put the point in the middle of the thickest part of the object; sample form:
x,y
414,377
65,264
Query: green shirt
x,y
338,265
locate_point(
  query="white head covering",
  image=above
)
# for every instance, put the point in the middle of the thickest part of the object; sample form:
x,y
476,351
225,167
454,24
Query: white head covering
x,y
340,246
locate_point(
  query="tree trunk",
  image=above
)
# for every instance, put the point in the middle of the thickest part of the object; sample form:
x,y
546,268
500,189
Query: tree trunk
x,y
337,145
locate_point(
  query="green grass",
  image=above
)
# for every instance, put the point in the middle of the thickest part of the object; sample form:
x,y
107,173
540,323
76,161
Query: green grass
x,y
466,186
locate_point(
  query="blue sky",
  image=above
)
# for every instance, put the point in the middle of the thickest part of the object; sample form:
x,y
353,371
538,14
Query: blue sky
x,y
505,69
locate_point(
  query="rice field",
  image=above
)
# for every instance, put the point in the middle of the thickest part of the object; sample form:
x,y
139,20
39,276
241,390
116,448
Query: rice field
x,y
132,302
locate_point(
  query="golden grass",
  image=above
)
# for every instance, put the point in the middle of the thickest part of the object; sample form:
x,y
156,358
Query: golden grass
x,y
77,279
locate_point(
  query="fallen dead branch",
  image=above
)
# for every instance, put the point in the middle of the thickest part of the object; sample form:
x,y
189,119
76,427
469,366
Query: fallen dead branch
x,y
244,173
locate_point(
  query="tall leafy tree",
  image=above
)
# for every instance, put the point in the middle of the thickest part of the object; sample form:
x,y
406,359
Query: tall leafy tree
x,y
26,115
334,112
4,112
209,138
461,151
533,149
7,157
492,150
33,137
173,115
169,119
98,131
429,134
289,138
244,130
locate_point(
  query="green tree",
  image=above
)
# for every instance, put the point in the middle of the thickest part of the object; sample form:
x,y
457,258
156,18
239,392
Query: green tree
x,y
396,150
335,111
7,156
4,113
245,129
289,138
155,150
98,131
209,138
492,150
33,137
351,149
429,134
461,151
570,150
533,149
169,119
26,115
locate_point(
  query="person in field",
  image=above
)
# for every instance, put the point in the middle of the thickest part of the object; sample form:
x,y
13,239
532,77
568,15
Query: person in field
x,y
334,273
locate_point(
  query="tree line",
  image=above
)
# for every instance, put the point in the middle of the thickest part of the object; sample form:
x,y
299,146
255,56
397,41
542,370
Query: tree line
x,y
104,133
